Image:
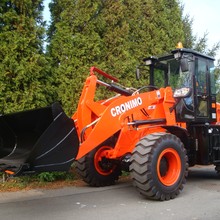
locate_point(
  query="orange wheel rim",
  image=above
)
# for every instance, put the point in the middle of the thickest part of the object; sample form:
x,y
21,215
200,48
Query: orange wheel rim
x,y
104,168
168,167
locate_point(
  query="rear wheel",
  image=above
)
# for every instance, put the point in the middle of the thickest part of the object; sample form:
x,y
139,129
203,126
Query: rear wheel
x,y
96,169
159,166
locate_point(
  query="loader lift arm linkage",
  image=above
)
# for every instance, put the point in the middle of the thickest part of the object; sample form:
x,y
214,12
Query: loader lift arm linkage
x,y
121,113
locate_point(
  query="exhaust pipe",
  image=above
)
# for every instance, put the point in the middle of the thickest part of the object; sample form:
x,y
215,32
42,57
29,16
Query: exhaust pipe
x,y
37,140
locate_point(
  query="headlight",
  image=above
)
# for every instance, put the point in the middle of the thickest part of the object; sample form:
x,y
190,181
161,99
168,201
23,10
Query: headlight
x,y
182,93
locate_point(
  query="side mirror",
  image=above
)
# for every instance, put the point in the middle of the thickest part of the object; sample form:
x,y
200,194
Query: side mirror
x,y
184,65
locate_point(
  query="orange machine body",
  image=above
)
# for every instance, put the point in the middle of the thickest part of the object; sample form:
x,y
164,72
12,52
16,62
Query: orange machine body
x,y
96,121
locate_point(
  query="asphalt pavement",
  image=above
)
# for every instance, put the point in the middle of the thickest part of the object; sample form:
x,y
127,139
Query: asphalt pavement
x,y
200,199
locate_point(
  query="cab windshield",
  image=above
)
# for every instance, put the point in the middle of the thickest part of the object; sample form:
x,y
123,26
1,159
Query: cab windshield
x,y
176,73
170,72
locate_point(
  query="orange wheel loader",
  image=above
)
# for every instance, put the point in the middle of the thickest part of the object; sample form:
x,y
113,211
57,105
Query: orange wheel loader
x,y
156,131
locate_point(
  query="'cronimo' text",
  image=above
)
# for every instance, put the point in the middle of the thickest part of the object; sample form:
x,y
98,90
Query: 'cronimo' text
x,y
118,110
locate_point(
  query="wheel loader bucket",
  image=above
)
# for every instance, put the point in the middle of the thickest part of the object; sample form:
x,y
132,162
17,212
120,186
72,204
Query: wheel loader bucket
x,y
37,140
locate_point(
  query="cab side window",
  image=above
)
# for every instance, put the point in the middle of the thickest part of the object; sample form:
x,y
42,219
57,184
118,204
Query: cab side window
x,y
201,87
201,76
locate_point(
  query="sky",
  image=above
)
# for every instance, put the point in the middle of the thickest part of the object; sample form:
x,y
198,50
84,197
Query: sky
x,y
205,15
46,12
206,18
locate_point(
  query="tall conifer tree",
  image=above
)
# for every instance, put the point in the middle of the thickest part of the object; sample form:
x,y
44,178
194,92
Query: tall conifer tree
x,y
74,47
114,35
23,78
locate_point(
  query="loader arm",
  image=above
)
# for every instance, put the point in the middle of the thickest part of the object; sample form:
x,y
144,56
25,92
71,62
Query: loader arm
x,y
88,111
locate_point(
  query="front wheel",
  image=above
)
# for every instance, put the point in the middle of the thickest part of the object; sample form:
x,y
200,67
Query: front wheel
x,y
159,166
96,169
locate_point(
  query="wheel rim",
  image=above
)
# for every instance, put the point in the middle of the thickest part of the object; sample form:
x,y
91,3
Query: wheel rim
x,y
102,164
168,167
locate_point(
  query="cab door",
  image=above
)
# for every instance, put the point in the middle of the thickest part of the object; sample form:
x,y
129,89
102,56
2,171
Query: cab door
x,y
201,89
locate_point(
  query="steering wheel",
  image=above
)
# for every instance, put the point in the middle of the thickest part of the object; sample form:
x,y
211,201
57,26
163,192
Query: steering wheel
x,y
149,87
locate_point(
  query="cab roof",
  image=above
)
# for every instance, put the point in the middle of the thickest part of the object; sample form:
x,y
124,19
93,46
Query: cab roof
x,y
179,50
196,53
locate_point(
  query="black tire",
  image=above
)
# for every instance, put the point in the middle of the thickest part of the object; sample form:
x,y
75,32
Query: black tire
x,y
159,166
217,168
101,172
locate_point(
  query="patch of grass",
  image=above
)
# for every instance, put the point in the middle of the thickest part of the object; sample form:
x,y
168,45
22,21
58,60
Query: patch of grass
x,y
54,176
125,173
42,180
46,180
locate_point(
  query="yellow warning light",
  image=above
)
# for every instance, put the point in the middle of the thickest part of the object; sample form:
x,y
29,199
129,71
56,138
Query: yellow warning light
x,y
179,45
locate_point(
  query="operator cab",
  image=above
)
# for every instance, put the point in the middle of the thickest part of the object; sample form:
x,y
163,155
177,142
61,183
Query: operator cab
x,y
191,76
